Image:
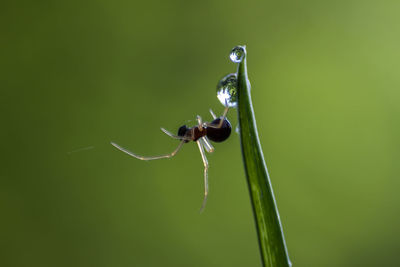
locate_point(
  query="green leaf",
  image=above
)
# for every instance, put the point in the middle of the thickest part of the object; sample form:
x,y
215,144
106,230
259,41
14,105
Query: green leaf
x,y
269,229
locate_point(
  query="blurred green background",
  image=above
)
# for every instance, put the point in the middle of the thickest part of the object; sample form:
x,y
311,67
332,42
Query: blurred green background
x,y
79,74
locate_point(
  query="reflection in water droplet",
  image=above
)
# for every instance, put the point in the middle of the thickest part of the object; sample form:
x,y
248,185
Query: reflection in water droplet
x,y
237,54
227,90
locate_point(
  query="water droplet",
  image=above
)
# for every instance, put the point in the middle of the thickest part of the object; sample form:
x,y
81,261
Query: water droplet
x,y
227,90
237,54
237,129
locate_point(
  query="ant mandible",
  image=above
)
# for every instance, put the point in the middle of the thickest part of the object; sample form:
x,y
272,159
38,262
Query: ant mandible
x,y
218,131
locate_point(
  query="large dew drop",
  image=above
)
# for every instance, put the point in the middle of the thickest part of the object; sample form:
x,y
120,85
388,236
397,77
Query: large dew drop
x,y
227,90
237,54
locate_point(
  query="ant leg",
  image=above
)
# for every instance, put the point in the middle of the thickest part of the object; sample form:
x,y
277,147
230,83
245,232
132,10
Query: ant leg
x,y
224,114
221,121
223,117
200,122
212,114
207,145
205,162
149,158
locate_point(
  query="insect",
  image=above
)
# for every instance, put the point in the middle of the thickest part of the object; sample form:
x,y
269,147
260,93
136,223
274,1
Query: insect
x,y
217,130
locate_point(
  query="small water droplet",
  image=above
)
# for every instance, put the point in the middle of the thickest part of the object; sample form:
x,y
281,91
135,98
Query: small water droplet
x,y
237,54
227,90
237,129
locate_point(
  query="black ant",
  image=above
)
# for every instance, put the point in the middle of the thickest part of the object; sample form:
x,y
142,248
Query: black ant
x,y
218,131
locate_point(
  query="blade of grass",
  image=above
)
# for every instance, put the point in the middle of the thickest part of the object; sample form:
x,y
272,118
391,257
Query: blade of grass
x,y
269,229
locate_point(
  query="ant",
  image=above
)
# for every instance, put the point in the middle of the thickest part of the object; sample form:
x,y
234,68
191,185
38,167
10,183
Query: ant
x,y
218,131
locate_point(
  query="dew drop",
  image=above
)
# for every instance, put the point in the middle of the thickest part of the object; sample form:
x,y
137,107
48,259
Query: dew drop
x,y
237,54
227,90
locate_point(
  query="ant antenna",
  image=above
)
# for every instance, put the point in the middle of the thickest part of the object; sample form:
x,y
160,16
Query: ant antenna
x,y
171,134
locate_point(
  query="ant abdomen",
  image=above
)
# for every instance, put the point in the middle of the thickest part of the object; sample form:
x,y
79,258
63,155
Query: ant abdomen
x,y
218,133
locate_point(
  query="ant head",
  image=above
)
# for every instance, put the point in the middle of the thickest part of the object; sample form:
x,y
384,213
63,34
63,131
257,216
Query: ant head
x,y
219,134
182,131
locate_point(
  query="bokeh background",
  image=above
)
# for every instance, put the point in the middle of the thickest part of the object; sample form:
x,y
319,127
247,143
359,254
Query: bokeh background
x,y
76,75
